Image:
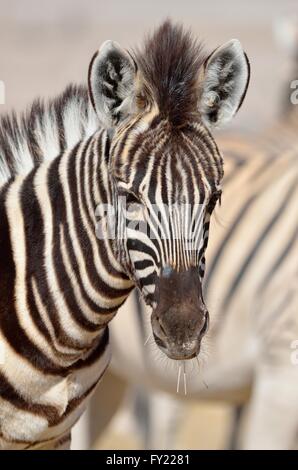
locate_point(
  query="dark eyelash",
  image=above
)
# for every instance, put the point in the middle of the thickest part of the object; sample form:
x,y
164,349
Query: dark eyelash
x,y
132,199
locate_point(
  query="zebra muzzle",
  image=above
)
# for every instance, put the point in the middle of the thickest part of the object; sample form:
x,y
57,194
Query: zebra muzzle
x,y
180,319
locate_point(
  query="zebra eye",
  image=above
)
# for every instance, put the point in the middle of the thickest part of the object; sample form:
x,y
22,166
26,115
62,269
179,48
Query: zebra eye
x,y
135,211
133,206
128,196
131,199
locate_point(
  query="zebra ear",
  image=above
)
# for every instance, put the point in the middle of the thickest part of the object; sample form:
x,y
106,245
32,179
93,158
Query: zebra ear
x,y
111,81
224,83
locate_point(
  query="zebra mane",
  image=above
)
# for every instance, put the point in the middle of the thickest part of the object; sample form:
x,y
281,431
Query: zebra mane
x,y
44,130
170,62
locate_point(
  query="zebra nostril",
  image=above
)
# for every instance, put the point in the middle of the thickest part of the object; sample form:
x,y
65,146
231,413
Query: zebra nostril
x,y
159,334
161,327
159,341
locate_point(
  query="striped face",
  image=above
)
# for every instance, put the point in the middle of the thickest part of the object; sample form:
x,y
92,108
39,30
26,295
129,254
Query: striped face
x,y
167,183
165,168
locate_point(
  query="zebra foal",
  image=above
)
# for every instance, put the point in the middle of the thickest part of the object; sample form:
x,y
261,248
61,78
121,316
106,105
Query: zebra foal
x,y
63,273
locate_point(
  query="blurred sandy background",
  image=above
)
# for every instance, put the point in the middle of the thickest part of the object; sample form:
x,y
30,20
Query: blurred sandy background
x,y
45,45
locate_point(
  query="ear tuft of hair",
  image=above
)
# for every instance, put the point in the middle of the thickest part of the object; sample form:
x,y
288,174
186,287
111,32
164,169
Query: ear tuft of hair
x,y
169,64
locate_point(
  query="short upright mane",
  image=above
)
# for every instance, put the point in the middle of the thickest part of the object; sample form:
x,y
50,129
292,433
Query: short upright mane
x,y
169,63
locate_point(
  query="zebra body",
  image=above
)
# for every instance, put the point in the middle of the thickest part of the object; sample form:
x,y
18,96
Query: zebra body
x,y
63,273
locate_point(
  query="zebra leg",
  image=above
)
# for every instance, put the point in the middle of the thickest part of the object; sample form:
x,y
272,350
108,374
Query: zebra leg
x,y
141,414
101,408
158,415
273,410
233,442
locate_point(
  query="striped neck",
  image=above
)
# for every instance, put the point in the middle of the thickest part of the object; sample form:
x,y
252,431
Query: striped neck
x,y
85,184
70,284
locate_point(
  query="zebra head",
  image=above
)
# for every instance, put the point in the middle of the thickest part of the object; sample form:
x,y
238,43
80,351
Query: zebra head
x,y
160,105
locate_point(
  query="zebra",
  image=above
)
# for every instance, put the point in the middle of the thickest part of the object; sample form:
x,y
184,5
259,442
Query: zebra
x,y
250,287
140,133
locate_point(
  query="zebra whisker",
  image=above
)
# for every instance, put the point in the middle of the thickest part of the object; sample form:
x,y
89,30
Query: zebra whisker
x,y
205,384
178,378
184,378
147,340
203,381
